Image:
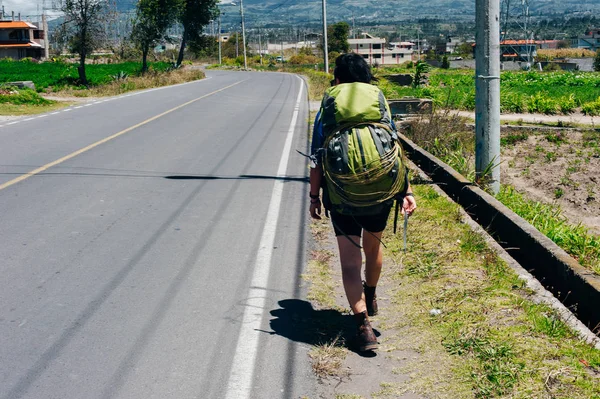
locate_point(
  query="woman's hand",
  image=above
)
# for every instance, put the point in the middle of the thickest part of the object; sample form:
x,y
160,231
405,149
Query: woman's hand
x,y
409,205
315,208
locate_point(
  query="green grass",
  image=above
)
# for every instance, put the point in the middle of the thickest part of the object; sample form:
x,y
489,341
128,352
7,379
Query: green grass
x,y
22,97
24,109
490,340
448,139
513,138
534,92
25,102
548,219
57,75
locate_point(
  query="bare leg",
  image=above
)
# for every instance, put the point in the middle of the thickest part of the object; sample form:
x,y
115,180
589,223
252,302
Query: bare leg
x,y
351,260
374,257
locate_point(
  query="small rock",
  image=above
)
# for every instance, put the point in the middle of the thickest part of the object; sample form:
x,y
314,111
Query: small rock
x,y
435,312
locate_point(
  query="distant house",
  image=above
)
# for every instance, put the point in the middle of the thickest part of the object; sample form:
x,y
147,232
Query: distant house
x,y
589,41
20,39
547,44
518,50
375,50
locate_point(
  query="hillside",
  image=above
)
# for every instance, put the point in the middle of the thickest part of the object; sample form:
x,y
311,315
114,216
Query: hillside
x,y
382,11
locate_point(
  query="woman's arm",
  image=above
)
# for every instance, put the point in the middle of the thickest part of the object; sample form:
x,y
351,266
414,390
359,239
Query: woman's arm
x,y
409,204
316,175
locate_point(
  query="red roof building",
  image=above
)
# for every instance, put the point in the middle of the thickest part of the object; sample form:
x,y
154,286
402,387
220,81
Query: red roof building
x,y
18,40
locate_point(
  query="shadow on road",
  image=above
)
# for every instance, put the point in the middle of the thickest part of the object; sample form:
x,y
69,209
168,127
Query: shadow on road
x,y
298,321
102,172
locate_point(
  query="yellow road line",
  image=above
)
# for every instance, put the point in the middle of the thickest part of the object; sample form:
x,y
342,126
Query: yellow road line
x,y
122,132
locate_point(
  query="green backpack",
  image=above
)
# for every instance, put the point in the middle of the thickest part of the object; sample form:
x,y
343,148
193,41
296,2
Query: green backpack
x,y
362,159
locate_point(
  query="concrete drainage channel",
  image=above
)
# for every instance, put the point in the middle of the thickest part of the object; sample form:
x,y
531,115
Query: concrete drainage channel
x,y
576,287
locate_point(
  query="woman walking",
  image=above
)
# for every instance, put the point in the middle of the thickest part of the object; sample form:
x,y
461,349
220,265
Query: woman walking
x,y
351,221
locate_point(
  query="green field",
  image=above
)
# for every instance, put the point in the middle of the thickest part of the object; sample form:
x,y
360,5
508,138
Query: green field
x,y
520,92
58,75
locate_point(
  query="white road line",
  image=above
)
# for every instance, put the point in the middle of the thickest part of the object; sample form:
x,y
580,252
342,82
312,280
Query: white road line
x,y
29,119
79,106
55,113
242,369
12,123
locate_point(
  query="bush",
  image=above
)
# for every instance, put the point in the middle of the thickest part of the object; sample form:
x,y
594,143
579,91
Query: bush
x,y
445,63
420,73
512,102
597,61
552,66
303,59
567,104
22,97
541,103
592,108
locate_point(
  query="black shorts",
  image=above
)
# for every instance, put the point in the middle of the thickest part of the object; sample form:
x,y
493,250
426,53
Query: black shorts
x,y
353,225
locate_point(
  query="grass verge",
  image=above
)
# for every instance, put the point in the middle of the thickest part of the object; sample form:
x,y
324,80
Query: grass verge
x,y
130,83
27,109
462,322
327,357
446,136
574,239
25,102
476,328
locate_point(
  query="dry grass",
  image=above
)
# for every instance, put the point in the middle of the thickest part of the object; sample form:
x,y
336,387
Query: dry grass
x,y
28,109
327,360
490,340
147,81
551,54
322,286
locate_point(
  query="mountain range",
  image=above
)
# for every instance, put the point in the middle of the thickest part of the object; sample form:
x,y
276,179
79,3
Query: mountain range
x,y
361,12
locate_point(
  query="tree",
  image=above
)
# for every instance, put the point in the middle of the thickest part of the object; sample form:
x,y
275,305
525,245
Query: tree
x,y
83,28
204,46
420,76
465,50
152,19
232,48
597,61
337,37
445,62
194,15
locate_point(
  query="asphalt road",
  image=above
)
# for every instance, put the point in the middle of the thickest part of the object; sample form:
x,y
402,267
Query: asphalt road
x,y
147,241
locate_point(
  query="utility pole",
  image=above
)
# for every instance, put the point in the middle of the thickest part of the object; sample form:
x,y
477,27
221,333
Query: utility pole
x,y
243,33
220,44
487,91
325,51
260,52
418,45
46,38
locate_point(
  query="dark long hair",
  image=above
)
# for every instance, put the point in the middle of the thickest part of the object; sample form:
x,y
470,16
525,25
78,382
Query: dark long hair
x,y
352,67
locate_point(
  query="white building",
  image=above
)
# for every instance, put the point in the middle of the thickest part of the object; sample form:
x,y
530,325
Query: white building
x,y
375,50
